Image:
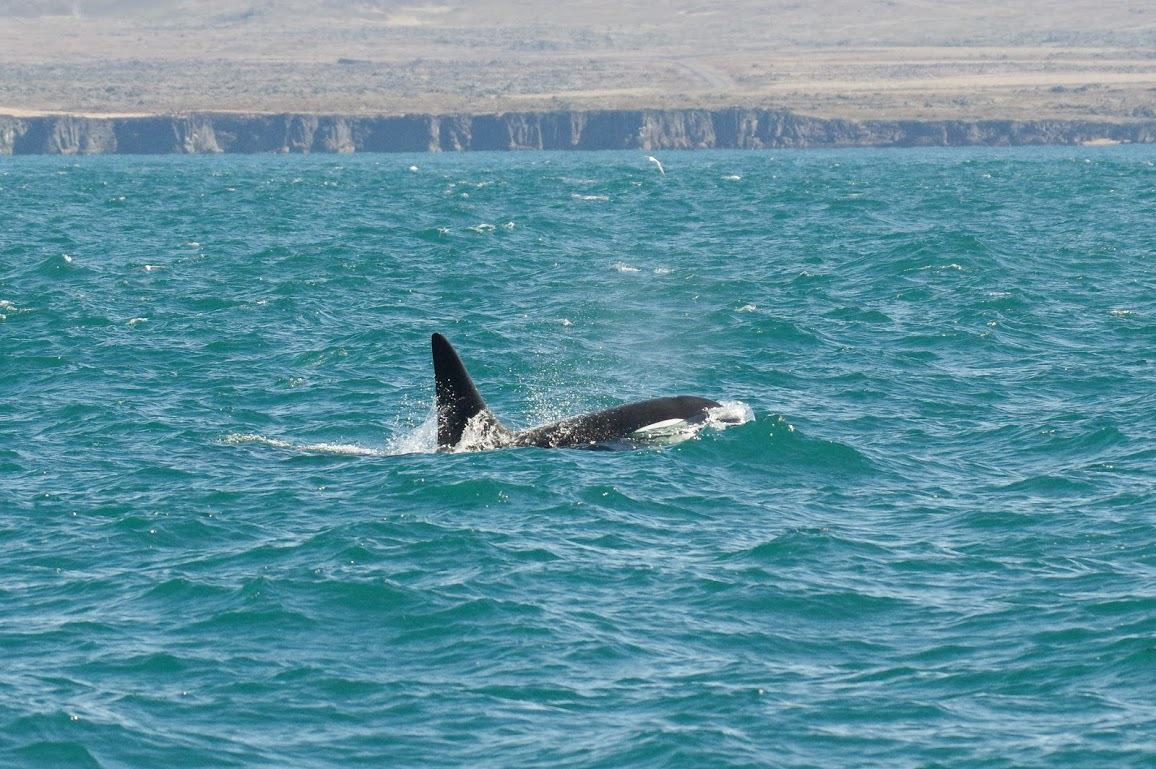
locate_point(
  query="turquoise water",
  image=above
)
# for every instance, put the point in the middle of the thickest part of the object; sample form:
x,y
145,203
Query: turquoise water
x,y
227,542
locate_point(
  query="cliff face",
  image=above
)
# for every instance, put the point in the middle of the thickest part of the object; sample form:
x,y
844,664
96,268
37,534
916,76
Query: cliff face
x,y
594,130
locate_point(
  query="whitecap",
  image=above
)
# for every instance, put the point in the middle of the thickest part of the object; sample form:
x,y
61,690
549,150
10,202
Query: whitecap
x,y
624,267
482,229
134,322
732,178
1120,312
576,196
662,270
747,308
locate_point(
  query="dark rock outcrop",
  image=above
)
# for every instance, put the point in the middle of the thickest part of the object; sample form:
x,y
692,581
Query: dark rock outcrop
x,y
590,130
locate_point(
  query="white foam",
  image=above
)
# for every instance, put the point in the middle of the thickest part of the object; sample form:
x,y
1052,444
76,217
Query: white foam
x,y
1120,312
732,178
422,439
747,308
233,439
339,449
345,449
133,322
576,196
624,267
481,433
729,414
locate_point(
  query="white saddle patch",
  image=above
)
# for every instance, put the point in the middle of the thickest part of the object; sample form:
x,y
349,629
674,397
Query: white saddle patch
x,y
660,428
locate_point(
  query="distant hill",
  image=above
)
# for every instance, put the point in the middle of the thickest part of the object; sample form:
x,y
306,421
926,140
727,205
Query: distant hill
x,y
852,58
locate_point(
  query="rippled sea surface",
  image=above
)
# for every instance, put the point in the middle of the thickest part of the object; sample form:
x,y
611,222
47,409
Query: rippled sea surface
x,y
226,541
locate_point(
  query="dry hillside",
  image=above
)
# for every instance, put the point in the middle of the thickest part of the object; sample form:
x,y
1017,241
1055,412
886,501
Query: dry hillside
x,y
845,58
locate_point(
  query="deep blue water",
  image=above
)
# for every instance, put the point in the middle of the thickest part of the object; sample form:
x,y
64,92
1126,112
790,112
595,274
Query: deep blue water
x,y
226,541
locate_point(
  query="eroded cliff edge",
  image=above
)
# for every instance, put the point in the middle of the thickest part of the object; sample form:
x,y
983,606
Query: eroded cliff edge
x,y
735,128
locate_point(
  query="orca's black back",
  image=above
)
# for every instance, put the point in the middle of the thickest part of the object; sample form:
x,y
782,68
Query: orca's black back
x,y
616,423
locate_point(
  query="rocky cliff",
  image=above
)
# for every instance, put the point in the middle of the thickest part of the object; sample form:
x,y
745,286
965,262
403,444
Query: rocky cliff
x,y
592,130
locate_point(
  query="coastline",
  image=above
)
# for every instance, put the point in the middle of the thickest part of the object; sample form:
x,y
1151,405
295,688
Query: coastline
x,y
641,129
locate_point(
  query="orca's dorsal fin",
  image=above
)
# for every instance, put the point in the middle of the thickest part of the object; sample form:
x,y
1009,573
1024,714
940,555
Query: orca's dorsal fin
x,y
457,399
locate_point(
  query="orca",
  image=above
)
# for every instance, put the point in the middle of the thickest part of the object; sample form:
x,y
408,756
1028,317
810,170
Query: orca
x,y
461,412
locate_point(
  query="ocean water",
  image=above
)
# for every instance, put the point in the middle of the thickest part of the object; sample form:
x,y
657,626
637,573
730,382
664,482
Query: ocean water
x,y
227,541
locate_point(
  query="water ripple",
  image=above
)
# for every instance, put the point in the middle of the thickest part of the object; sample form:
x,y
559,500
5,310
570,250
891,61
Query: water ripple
x,y
230,543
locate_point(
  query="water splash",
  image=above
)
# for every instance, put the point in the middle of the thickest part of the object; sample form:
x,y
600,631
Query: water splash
x,y
422,439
